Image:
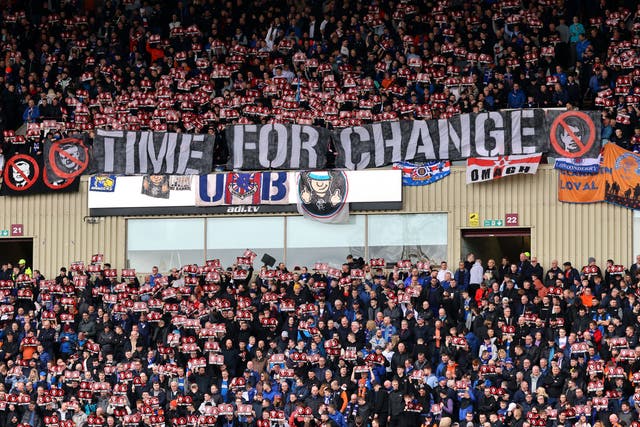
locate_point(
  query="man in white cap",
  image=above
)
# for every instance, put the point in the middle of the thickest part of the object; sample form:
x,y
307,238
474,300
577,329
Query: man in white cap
x,y
320,183
317,190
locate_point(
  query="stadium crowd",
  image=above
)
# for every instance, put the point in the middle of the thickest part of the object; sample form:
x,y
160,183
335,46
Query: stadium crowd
x,y
482,344
197,66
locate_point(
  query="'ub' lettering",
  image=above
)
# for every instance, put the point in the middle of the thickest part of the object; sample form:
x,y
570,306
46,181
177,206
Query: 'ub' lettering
x,y
269,185
218,188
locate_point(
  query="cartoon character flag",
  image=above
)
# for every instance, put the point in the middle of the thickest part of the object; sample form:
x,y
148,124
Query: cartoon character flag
x,y
322,196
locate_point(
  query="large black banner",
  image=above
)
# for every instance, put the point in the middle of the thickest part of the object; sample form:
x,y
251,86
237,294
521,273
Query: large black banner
x,y
24,175
152,153
563,134
277,146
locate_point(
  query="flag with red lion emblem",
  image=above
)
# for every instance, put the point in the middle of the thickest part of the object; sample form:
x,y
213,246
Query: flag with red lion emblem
x,y
488,168
243,189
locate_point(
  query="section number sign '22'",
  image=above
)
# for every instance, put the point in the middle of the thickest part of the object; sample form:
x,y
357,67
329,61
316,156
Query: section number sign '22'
x,y
512,219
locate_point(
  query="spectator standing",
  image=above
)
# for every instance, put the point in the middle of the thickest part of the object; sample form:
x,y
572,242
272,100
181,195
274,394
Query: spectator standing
x,y
517,97
31,113
476,275
575,30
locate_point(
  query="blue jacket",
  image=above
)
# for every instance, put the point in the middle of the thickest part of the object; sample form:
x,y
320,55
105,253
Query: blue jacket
x,y
562,78
581,48
30,115
68,342
462,278
517,99
339,419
